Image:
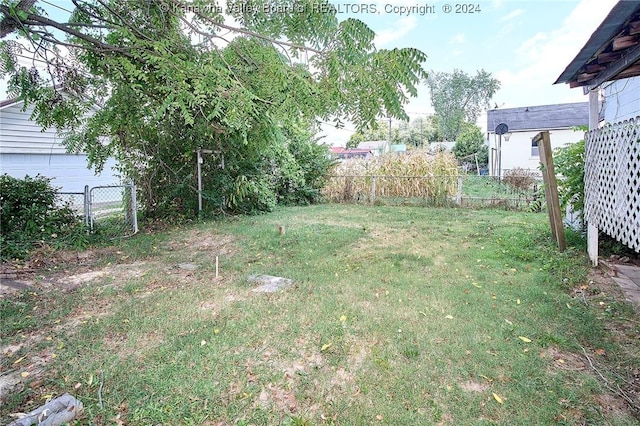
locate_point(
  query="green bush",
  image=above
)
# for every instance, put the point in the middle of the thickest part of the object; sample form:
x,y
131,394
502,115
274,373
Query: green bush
x,y
470,146
569,165
31,216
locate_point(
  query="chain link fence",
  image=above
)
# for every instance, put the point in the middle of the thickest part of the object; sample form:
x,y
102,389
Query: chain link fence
x,y
112,210
108,210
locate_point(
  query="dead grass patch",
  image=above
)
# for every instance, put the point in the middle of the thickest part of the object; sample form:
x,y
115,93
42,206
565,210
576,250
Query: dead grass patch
x,y
564,360
203,241
473,386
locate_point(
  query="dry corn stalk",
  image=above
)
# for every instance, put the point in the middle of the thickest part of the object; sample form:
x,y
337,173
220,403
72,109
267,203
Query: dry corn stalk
x,y
415,174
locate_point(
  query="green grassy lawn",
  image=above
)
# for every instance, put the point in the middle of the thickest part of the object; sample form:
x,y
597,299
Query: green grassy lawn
x,y
398,315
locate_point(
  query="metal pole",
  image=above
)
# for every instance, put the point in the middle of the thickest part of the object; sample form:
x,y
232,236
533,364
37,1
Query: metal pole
x,y
134,208
499,157
87,206
199,153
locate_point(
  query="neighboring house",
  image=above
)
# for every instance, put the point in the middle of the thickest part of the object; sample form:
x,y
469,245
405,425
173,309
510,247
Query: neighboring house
x,y
345,153
398,148
516,148
609,64
27,149
621,99
376,147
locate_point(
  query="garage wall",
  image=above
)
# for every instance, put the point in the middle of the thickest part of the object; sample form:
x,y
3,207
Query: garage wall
x,y
25,149
69,171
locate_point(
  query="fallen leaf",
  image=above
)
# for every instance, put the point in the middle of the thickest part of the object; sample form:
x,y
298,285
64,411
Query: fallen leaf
x,y
216,331
343,318
524,339
568,305
600,351
476,285
508,322
24,374
497,398
202,343
379,417
449,317
518,301
18,360
326,346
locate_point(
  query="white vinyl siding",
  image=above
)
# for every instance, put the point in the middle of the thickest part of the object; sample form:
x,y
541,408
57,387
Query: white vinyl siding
x,y
20,135
27,150
622,100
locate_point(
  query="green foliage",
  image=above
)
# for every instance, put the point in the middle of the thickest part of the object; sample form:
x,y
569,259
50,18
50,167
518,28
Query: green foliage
x,y
458,97
378,131
569,165
415,133
162,95
32,216
470,145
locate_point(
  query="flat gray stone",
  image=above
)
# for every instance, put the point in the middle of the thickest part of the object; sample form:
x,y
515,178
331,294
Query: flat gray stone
x,y
269,283
631,271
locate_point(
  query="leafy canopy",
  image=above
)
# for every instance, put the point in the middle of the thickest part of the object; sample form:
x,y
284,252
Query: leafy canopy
x,y
162,78
458,97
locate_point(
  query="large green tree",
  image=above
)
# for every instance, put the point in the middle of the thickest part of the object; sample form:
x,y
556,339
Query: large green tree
x,y
245,81
458,97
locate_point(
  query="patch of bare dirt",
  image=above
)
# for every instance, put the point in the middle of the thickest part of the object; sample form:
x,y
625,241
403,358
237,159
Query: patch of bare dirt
x,y
283,400
202,241
612,405
564,360
472,386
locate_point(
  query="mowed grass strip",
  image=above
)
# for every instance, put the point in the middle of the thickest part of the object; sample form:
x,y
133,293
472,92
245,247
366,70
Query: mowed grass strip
x,y
397,316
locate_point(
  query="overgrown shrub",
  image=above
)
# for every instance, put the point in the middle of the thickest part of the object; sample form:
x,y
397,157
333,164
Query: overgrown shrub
x,y
569,165
31,215
471,147
520,179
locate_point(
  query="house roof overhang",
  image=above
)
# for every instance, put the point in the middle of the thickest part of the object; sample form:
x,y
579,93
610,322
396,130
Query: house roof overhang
x,y
612,52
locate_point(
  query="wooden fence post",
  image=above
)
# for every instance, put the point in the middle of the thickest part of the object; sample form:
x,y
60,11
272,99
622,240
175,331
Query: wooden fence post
x,y
551,189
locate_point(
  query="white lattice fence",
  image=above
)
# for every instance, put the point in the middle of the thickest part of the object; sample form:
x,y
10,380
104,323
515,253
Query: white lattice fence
x,y
612,181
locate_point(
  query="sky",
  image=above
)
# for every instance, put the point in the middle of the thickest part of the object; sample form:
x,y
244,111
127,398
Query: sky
x,y
525,44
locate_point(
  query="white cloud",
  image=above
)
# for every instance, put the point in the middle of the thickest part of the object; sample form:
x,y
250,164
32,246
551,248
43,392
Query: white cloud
x,y
542,58
458,39
400,28
511,15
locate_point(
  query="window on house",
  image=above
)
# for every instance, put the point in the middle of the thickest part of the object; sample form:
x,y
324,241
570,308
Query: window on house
x,y
535,152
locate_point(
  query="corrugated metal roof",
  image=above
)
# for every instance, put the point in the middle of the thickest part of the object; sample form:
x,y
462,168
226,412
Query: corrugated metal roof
x,y
541,117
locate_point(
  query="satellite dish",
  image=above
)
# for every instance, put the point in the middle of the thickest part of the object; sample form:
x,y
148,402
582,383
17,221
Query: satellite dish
x,y
501,129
